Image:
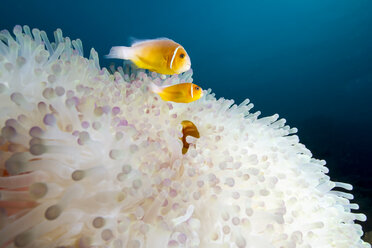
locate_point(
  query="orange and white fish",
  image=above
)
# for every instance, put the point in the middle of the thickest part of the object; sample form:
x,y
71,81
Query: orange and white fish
x,y
182,93
160,55
188,129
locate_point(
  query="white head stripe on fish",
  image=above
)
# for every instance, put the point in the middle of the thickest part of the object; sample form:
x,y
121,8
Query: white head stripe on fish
x,y
192,91
174,55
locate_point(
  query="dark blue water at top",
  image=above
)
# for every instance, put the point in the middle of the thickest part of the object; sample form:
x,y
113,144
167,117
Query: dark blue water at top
x,y
310,61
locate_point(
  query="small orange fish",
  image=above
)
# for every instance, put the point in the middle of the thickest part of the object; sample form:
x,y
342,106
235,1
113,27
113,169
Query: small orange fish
x,y
188,129
181,93
160,55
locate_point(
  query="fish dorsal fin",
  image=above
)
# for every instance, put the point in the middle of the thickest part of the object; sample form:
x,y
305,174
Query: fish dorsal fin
x,y
137,42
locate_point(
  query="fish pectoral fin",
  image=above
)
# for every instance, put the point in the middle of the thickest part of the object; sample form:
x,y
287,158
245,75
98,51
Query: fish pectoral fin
x,y
173,96
143,60
180,98
178,95
145,64
149,65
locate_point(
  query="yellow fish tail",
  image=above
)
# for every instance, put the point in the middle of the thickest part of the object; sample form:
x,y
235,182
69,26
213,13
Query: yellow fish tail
x,y
154,88
121,52
166,96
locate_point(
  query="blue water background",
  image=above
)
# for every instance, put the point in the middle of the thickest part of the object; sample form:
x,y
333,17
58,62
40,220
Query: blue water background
x,y
308,60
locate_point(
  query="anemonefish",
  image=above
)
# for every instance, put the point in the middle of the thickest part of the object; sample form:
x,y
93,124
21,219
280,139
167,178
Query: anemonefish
x,y
160,55
188,129
181,93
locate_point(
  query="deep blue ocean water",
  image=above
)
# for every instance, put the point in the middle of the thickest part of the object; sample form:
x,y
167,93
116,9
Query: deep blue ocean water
x,y
309,60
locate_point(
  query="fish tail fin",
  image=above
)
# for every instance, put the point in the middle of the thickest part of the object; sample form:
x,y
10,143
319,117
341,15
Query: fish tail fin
x,y
120,52
154,88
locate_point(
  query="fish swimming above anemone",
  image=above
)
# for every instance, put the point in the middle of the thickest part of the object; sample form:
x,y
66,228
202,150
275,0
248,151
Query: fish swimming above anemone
x,y
181,93
161,55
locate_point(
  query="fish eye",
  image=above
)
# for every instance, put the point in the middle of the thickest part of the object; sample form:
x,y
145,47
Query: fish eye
x,y
182,55
197,88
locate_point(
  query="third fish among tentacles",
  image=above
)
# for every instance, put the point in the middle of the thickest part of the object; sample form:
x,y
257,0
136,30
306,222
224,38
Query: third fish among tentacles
x,y
188,129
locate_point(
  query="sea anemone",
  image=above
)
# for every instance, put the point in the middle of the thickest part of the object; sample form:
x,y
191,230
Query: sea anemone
x,y
94,159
